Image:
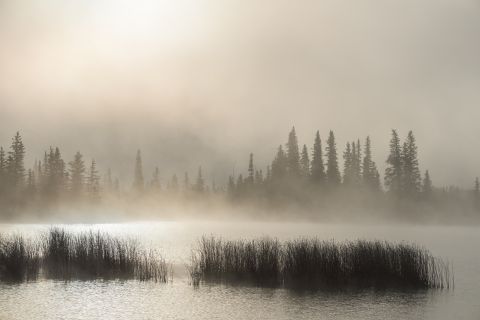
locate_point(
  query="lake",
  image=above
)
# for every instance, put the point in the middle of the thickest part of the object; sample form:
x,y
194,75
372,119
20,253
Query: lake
x,y
178,299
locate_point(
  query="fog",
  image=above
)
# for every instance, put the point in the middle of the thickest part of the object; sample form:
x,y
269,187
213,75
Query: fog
x,y
206,82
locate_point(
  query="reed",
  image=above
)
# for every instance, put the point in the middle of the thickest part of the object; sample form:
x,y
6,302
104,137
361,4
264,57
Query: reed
x,y
19,259
59,254
317,264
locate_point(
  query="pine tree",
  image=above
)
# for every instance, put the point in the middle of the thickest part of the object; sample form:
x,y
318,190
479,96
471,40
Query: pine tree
x,y
231,187
138,182
411,173
427,187
333,174
15,163
356,163
200,183
279,165
393,172
155,183
93,182
250,170
77,174
293,156
317,167
305,163
347,165
31,185
258,177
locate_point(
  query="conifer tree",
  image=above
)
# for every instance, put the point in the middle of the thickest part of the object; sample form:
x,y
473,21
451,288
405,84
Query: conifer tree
x,y
200,183
347,165
138,181
231,187
393,172
250,170
93,182
293,155
427,186
411,172
333,174
31,185
356,163
317,167
279,165
15,163
155,183
77,174
258,177
305,163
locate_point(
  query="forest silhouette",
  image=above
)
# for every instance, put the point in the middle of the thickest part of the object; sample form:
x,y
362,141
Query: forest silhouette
x,y
298,177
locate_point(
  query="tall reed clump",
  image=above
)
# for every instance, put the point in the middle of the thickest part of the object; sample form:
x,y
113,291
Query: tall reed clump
x,y
92,255
19,259
255,260
317,264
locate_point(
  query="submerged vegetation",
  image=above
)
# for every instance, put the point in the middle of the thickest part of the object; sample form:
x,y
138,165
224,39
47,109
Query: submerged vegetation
x,y
59,254
318,264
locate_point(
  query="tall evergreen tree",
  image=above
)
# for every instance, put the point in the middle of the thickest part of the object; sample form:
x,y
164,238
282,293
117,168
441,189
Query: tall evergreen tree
x,y
200,183
155,183
279,164
31,185
317,167
305,162
333,174
138,181
77,174
293,156
356,163
411,173
231,187
93,182
347,165
186,181
427,187
15,163
251,170
393,172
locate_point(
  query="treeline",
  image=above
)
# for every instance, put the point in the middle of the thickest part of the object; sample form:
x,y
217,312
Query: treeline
x,y
297,175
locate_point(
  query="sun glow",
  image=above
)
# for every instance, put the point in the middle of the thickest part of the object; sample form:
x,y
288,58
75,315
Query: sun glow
x,y
168,23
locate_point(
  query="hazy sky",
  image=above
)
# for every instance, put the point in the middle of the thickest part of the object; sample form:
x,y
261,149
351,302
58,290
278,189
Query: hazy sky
x,y
205,82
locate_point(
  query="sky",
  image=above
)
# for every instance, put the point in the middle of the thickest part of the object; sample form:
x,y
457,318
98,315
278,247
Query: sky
x,y
206,82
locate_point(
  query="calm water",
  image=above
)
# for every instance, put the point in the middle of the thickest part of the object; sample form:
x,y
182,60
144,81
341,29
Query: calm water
x,y
178,300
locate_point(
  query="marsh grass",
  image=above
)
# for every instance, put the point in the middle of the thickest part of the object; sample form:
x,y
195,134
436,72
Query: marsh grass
x,y
317,264
59,254
19,259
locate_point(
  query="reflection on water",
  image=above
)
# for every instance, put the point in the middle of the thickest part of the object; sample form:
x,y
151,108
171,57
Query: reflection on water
x,y
179,300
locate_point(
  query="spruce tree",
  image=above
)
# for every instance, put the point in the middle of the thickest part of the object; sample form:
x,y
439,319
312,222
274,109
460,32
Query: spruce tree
x,y
293,156
231,187
317,167
200,183
427,187
15,163
279,165
155,183
31,184
347,165
77,174
393,172
138,181
93,182
356,163
305,163
411,173
333,174
251,174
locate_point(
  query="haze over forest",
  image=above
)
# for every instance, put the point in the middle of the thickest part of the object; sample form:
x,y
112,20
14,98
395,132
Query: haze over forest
x,y
207,82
